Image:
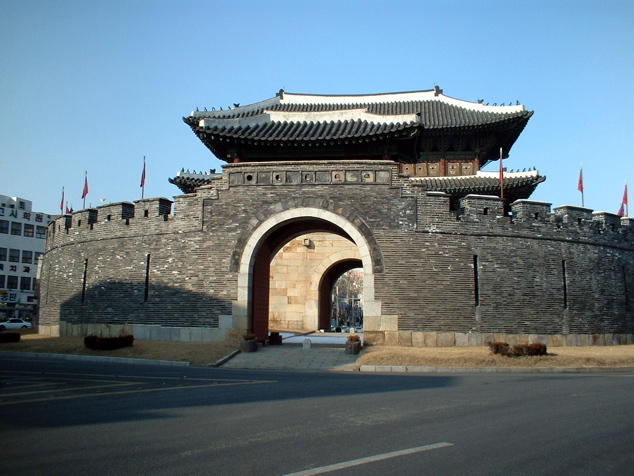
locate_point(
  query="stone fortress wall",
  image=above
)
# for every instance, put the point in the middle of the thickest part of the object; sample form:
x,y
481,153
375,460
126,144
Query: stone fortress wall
x,y
437,273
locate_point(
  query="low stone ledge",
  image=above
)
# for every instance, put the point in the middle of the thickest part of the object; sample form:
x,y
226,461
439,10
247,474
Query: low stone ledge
x,y
145,332
405,338
446,339
475,339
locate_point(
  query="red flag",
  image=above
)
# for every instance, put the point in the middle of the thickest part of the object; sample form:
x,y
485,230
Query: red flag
x,y
85,192
580,185
621,212
143,175
68,210
625,200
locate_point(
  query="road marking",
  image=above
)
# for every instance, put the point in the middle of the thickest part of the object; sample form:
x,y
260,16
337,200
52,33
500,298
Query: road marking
x,y
69,389
105,386
369,459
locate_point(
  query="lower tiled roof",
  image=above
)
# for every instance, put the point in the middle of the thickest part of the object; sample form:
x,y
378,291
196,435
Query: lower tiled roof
x,y
188,182
517,185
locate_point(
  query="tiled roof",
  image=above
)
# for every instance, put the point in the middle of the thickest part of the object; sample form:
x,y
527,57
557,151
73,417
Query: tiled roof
x,y
296,117
304,131
188,182
517,184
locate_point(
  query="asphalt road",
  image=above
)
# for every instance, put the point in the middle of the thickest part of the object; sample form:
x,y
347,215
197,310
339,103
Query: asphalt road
x,y
74,418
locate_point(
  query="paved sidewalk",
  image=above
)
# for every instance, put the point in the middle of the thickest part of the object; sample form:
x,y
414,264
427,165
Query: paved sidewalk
x,y
323,352
294,357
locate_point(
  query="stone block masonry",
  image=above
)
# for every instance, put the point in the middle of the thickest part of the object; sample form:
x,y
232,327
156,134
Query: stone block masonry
x,y
436,274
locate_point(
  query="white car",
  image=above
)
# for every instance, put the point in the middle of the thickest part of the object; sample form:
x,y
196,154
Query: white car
x,y
14,324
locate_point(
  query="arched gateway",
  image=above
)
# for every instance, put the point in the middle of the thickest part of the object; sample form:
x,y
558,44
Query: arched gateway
x,y
314,185
251,309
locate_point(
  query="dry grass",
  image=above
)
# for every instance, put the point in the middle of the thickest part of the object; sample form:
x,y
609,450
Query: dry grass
x,y
198,353
202,353
594,356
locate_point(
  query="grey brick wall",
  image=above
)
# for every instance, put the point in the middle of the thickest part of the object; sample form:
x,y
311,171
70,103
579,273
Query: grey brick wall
x,y
539,273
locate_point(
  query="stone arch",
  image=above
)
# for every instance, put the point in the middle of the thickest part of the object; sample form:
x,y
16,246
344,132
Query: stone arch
x,y
252,292
288,210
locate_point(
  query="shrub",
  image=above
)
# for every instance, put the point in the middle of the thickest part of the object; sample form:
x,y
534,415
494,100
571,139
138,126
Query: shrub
x,y
499,348
530,349
519,350
10,337
108,343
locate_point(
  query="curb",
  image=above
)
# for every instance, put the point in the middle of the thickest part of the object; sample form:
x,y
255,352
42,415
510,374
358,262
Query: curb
x,y
400,369
225,359
94,358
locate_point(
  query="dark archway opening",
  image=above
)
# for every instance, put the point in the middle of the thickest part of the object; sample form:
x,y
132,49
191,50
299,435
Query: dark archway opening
x,y
260,284
326,285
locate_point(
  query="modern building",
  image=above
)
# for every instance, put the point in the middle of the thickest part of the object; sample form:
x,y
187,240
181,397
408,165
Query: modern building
x,y
22,242
315,186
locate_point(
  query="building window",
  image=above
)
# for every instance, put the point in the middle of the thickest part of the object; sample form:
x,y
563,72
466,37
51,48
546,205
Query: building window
x,y
25,283
4,226
22,205
14,256
16,228
12,282
40,232
27,256
3,254
1,280
29,230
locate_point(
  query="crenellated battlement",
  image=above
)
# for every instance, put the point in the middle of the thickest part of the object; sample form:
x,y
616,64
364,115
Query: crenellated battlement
x,y
109,221
474,213
486,214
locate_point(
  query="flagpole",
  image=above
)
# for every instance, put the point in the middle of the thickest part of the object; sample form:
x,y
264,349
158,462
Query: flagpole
x,y
501,175
61,204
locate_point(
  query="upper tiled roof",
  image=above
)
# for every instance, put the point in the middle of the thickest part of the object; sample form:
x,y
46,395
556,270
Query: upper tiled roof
x,y
289,117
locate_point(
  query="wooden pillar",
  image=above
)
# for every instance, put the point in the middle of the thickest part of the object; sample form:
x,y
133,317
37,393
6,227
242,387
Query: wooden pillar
x,y
261,290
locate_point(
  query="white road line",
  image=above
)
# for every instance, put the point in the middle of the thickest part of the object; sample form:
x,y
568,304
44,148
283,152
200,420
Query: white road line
x,y
369,459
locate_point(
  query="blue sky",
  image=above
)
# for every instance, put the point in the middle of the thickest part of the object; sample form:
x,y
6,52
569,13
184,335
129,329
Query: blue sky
x,y
96,85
